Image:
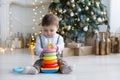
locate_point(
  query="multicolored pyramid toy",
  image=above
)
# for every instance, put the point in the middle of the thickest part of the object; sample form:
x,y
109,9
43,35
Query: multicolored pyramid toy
x,y
50,63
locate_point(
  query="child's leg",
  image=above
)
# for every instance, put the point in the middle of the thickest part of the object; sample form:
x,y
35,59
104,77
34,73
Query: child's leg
x,y
38,64
35,69
64,68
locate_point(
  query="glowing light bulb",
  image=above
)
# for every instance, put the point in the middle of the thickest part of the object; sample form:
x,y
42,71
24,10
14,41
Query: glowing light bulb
x,y
35,0
33,3
33,20
40,18
33,28
41,2
33,9
43,15
40,12
36,7
35,13
10,12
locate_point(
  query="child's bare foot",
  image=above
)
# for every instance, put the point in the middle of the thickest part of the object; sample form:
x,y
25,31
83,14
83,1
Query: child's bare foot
x,y
65,69
30,70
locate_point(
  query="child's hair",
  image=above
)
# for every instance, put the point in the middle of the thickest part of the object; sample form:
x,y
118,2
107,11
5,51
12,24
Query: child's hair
x,y
50,19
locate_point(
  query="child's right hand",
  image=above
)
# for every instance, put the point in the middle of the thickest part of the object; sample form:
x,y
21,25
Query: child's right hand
x,y
41,55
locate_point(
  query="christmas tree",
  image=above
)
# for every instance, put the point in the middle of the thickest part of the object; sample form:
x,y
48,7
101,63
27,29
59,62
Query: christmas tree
x,y
78,18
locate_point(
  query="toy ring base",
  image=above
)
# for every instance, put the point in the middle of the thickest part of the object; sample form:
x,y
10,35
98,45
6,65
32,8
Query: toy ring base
x,y
49,71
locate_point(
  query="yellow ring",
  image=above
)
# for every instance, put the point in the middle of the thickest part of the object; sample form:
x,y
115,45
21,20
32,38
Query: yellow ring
x,y
50,68
50,58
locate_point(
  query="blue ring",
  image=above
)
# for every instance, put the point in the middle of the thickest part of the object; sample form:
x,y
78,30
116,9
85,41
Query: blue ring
x,y
49,71
18,69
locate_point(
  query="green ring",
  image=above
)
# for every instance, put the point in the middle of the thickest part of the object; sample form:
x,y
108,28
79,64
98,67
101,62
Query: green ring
x,y
49,54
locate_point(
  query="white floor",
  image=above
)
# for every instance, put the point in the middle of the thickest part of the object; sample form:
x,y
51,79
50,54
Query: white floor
x,y
88,67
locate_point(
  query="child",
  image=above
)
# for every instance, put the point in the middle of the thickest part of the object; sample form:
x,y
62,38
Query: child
x,y
50,25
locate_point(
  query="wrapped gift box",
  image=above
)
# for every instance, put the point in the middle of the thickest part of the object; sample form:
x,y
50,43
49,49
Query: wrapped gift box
x,y
83,50
73,45
68,52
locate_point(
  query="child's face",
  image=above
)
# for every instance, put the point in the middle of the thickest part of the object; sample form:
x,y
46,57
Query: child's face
x,y
49,31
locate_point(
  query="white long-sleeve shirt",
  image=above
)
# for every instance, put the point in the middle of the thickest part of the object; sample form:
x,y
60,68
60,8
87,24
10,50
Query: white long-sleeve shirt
x,y
42,41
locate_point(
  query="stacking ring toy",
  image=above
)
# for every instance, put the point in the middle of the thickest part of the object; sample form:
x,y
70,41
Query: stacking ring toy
x,y
49,50
50,58
50,61
49,54
18,69
50,65
49,70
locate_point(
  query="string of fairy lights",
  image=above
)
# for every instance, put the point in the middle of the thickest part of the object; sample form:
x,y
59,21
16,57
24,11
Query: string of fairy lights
x,y
38,8
10,21
37,11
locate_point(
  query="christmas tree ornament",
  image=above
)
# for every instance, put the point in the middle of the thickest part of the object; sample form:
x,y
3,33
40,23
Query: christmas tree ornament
x,y
89,3
79,10
60,10
99,20
78,1
102,13
64,11
63,28
83,6
71,14
86,8
87,19
94,17
60,19
68,3
72,1
97,4
82,0
85,28
56,1
56,9
73,28
76,13
92,1
62,32
75,19
78,19
92,13
103,19
68,27
73,5
81,25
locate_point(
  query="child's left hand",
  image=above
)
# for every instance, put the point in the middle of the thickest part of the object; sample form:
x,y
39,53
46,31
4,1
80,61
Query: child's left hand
x,y
53,46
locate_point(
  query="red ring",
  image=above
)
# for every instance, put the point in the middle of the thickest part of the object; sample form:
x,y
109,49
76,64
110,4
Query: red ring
x,y
50,65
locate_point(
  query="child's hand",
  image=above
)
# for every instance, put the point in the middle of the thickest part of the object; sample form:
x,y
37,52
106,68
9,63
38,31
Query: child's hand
x,y
41,55
53,46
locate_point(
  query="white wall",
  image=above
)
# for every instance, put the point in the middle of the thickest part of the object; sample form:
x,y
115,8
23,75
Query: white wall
x,y
22,16
115,16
